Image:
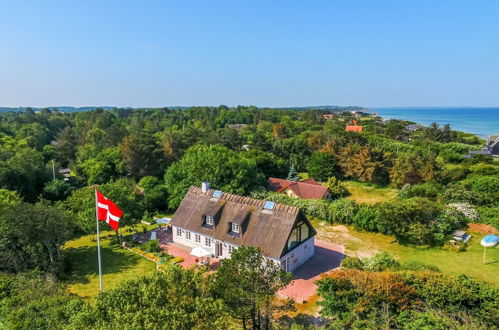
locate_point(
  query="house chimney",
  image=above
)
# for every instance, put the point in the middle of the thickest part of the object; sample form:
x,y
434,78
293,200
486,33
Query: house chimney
x,y
205,185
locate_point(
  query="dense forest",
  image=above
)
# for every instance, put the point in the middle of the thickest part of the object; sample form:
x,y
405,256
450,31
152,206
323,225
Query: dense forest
x,y
146,159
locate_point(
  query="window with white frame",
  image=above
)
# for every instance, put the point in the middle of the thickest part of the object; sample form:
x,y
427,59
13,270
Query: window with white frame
x,y
207,241
198,238
179,232
231,249
209,220
236,228
188,235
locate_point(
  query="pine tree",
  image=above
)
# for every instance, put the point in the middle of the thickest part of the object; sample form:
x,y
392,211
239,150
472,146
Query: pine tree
x,y
293,174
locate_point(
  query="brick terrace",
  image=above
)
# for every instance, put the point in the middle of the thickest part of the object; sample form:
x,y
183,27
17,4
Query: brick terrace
x,y
327,257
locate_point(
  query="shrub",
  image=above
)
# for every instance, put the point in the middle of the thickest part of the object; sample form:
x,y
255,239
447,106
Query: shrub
x,y
450,156
342,211
485,184
164,259
336,188
457,193
452,173
381,261
408,219
352,263
366,218
177,260
429,190
484,169
489,215
152,246
466,210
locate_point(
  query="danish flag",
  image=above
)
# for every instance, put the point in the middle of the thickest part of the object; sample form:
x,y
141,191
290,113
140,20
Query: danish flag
x,y
107,210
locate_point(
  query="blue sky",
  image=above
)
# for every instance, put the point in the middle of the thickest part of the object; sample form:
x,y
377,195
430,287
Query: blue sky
x,y
265,53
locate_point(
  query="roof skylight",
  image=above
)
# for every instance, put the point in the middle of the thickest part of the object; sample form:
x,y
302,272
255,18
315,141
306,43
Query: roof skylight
x,y
269,205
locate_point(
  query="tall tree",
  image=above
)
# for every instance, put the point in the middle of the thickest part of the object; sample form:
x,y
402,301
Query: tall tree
x,y
293,174
66,145
32,237
142,155
247,283
322,166
225,169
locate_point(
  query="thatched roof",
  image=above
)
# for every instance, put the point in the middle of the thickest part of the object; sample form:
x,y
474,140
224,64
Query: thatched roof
x,y
266,229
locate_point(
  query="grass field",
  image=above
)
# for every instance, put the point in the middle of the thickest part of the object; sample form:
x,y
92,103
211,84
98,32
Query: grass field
x,y
117,265
364,193
469,262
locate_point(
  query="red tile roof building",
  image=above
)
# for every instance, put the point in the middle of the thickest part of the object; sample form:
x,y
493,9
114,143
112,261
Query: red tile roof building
x,y
308,189
353,128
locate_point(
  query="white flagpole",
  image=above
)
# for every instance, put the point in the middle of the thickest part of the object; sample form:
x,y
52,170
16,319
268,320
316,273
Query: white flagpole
x,y
98,241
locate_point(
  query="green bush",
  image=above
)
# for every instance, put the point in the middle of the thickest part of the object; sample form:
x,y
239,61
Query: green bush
x,y
352,263
176,260
484,169
453,173
489,215
152,246
381,261
164,259
457,193
428,189
366,218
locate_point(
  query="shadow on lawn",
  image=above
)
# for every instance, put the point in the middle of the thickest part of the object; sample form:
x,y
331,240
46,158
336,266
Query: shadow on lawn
x,y
82,262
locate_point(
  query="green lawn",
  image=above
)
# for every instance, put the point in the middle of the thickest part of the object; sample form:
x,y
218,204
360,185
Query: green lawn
x,y
364,193
117,265
469,262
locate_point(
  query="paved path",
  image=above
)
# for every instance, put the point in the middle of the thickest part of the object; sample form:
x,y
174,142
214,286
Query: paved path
x,y
327,257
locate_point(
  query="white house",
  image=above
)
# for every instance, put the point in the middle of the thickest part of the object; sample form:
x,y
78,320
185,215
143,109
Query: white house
x,y
221,222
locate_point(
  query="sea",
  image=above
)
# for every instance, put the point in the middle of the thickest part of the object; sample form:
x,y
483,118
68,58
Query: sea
x,y
479,121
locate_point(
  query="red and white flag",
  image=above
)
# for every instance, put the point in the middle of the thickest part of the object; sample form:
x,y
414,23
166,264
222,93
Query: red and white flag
x,y
107,210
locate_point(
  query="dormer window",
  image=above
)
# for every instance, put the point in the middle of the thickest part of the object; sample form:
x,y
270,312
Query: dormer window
x,y
209,220
236,228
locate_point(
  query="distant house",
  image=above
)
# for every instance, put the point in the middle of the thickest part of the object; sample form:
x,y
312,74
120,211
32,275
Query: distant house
x,y
385,121
354,127
491,147
413,127
237,127
493,144
328,116
308,189
221,222
66,173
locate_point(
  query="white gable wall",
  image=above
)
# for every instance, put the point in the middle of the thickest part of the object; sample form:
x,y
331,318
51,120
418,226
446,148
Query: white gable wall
x,y
299,255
